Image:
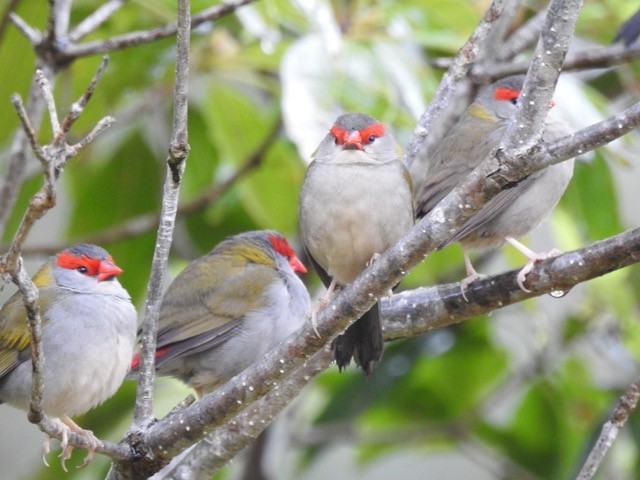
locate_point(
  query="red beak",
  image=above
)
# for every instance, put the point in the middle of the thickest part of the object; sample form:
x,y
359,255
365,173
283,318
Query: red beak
x,y
297,265
353,138
108,270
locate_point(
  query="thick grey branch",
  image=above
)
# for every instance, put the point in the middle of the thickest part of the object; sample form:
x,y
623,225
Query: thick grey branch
x,y
406,314
525,129
225,442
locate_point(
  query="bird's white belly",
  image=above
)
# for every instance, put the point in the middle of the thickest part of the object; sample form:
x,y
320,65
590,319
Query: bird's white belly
x,y
363,215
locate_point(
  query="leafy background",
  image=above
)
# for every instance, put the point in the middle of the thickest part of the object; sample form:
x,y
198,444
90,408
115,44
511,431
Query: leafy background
x,y
520,393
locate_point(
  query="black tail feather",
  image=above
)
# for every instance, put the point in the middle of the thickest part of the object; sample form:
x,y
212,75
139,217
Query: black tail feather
x,y
362,341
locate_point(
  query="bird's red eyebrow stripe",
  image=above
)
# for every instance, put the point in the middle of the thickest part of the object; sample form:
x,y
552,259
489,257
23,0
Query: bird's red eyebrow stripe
x,y
505,93
70,261
338,133
377,130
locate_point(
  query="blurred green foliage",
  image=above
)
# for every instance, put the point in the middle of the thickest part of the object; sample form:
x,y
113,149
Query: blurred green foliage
x,y
285,62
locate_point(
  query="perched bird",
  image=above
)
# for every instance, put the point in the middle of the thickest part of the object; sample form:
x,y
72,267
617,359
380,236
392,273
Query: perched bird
x,y
355,202
228,308
88,335
513,212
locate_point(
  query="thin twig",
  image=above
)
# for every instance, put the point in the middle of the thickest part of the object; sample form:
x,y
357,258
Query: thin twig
x,y
147,222
626,405
53,157
33,35
178,150
93,21
30,132
18,154
78,106
47,92
139,37
102,125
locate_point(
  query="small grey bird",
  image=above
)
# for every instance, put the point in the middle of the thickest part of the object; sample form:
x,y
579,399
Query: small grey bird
x,y
513,212
355,203
88,335
228,308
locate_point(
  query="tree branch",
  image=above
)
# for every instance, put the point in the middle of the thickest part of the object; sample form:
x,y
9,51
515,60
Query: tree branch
x,y
97,18
145,36
406,314
600,57
626,405
53,158
33,35
147,222
18,153
176,161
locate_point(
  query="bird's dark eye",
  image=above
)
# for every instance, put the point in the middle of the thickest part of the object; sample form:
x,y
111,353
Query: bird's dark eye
x,y
372,138
82,269
514,100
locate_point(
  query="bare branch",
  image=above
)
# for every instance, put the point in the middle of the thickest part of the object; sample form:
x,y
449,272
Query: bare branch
x,y
77,107
97,18
53,158
47,92
147,222
601,57
626,405
178,151
145,36
59,17
525,129
225,442
522,39
18,154
102,125
30,294
30,132
33,35
406,314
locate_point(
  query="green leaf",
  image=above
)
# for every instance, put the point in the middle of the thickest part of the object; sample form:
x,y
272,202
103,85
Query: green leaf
x,y
592,193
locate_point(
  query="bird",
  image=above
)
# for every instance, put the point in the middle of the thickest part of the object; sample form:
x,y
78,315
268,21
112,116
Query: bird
x,y
228,308
355,202
88,336
513,212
